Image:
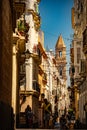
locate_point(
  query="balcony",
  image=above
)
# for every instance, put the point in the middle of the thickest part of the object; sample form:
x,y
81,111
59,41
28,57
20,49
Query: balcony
x,y
34,91
42,50
20,7
36,18
38,1
22,84
44,78
83,69
85,41
35,55
36,86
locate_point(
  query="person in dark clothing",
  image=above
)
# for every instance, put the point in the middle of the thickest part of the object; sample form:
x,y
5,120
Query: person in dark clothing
x,y
47,112
29,117
55,116
63,122
77,124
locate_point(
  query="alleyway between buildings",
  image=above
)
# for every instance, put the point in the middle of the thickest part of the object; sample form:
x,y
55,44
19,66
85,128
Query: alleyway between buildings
x,y
42,87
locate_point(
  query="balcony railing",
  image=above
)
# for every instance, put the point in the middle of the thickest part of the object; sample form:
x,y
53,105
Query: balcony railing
x,y
83,66
36,55
36,17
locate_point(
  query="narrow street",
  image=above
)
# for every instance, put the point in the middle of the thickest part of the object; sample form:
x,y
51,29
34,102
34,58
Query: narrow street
x,y
43,64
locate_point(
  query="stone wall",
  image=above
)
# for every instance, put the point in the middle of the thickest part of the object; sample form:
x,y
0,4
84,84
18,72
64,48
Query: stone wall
x,y
5,51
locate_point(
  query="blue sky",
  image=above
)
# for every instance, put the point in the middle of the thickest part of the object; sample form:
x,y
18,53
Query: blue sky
x,y
56,20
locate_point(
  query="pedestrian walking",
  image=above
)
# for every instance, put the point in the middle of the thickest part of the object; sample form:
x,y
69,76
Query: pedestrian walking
x,y
77,124
51,123
63,122
47,112
55,116
29,117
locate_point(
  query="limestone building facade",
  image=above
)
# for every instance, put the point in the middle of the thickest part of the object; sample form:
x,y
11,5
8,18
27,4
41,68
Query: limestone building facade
x,y
79,21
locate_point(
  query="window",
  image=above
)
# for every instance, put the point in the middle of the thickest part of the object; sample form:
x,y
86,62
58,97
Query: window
x,y
60,53
78,54
78,69
60,71
83,66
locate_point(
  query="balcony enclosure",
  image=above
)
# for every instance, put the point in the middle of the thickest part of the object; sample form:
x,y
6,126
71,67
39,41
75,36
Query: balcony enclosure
x,y
85,41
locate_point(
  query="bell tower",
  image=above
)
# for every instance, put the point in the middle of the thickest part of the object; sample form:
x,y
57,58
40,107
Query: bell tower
x,y
60,51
